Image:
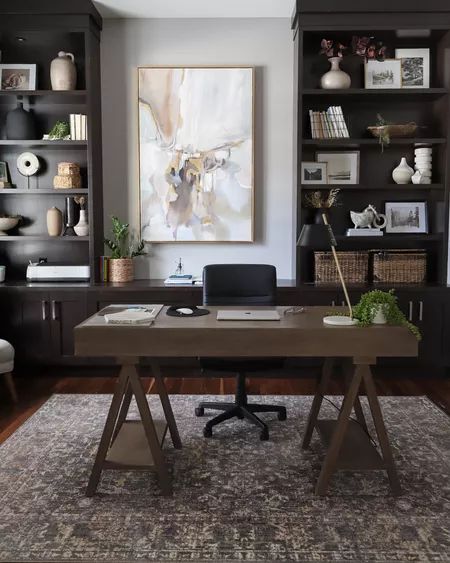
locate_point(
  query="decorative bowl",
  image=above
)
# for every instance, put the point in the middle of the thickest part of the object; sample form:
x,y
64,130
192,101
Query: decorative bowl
x,y
7,223
394,131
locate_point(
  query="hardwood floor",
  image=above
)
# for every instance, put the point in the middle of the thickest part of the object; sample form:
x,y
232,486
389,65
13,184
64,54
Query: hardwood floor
x,y
33,392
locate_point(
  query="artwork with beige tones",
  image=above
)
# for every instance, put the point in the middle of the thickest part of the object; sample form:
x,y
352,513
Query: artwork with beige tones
x,y
196,154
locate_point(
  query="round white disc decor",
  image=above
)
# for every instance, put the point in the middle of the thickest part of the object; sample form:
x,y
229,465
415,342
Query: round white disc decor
x,y
336,320
28,164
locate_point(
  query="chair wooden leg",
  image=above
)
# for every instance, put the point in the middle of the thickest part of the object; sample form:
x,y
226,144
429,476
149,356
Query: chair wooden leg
x,y
11,386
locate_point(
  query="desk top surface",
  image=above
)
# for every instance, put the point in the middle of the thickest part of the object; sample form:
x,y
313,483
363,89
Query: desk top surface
x,y
301,334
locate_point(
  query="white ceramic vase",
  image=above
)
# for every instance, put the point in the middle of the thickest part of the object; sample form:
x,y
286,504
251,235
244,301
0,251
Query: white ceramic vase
x,y
403,173
63,72
335,78
54,222
82,227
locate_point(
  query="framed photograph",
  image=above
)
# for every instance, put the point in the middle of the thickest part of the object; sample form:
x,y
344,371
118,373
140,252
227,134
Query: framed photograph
x,y
406,217
196,154
342,167
17,77
3,172
383,74
415,65
314,173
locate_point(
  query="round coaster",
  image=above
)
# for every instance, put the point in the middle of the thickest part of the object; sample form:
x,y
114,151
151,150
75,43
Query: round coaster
x,y
174,311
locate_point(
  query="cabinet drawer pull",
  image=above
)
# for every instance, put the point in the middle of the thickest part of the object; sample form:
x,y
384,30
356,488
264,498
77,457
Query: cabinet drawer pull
x,y
343,303
420,311
54,313
333,304
410,313
44,310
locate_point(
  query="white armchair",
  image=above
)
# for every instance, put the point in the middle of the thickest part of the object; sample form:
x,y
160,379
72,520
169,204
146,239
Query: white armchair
x,y
7,366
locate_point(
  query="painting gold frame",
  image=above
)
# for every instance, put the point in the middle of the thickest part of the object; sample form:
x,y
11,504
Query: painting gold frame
x,y
253,115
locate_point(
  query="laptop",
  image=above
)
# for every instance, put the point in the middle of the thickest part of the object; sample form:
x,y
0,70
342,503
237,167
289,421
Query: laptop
x,y
253,315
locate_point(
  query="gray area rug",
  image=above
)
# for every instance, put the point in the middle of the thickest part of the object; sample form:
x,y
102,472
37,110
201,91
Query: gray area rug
x,y
235,498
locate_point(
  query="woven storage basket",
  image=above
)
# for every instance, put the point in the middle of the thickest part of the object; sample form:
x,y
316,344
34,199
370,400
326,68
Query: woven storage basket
x,y
354,266
400,266
120,270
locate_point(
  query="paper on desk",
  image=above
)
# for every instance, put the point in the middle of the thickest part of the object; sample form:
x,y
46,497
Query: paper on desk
x,y
129,318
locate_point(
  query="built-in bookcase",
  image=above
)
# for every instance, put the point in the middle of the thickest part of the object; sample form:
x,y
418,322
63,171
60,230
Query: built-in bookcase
x,y
427,107
34,34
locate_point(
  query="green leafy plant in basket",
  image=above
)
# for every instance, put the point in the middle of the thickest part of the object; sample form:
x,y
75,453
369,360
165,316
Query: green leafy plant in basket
x,y
371,302
122,244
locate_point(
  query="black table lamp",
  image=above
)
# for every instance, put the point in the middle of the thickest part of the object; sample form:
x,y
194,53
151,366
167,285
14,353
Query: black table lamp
x,y
320,236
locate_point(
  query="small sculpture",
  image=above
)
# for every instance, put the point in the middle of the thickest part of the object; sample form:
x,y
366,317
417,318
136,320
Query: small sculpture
x,y
369,218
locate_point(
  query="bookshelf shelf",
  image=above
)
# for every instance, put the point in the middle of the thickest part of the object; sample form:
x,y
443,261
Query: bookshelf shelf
x,y
46,191
42,238
46,144
373,142
375,93
368,187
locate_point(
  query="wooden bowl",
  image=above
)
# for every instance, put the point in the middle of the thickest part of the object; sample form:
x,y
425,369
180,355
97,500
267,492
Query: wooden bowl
x,y
6,224
394,131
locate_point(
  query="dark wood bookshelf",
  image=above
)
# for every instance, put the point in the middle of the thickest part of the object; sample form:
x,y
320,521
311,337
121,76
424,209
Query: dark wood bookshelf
x,y
48,27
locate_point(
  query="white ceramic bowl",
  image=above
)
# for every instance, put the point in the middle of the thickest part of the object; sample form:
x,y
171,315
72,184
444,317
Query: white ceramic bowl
x,y
7,223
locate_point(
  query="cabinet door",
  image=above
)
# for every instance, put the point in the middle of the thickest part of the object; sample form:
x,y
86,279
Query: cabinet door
x,y
33,339
66,310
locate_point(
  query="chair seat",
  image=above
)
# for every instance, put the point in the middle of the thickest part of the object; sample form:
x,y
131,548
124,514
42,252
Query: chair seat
x,y
240,365
6,357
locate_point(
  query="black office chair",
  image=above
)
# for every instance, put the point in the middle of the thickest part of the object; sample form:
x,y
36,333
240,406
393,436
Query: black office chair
x,y
239,284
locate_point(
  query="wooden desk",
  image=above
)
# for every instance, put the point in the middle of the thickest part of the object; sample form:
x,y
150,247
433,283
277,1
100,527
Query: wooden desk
x,y
299,335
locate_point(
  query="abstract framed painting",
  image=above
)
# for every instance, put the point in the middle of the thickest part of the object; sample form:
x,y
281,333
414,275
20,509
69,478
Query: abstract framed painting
x,y
196,154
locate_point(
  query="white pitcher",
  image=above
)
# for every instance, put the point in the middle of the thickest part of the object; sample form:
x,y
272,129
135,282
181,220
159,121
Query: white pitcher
x,y
63,72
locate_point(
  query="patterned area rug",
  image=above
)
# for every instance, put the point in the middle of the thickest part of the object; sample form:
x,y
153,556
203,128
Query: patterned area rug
x,y
235,498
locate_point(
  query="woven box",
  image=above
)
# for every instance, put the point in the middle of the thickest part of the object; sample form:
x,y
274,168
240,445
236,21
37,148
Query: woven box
x,y
400,266
354,267
67,182
68,169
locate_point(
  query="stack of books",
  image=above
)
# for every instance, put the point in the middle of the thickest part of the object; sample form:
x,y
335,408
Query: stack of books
x,y
182,279
78,127
328,124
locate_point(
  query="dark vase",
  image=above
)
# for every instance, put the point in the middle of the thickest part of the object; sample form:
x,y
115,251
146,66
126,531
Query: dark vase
x,y
318,220
20,124
71,217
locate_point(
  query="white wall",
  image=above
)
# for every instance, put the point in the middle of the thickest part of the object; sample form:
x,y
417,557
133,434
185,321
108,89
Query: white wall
x,y
264,43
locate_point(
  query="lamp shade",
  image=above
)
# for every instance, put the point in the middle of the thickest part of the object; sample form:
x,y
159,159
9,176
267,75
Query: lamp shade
x,y
316,236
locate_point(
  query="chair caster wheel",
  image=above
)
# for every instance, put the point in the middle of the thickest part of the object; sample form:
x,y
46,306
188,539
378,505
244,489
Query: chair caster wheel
x,y
264,436
199,411
207,432
282,415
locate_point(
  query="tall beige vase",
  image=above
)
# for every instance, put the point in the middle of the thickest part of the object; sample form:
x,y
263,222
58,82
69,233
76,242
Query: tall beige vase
x,y
120,270
54,222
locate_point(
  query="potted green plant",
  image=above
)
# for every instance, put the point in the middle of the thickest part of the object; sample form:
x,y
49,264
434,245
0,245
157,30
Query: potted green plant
x,y
123,250
381,307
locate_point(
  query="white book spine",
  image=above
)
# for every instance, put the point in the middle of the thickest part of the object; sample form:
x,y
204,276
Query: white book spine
x,y
311,120
72,127
344,125
83,127
332,121
78,126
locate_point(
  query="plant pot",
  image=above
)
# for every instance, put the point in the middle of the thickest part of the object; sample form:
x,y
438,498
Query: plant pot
x,y
380,316
335,78
121,270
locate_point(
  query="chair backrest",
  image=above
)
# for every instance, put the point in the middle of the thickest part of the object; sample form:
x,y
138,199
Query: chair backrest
x,y
239,284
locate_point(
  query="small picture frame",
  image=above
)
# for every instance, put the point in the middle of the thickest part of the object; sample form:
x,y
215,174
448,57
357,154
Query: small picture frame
x,y
383,74
314,173
17,77
342,167
415,65
406,217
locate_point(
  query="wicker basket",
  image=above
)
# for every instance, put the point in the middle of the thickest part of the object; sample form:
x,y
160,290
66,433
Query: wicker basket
x,y
394,131
400,266
120,270
354,266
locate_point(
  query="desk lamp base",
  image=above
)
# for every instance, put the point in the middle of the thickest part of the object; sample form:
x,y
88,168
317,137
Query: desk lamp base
x,y
336,320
